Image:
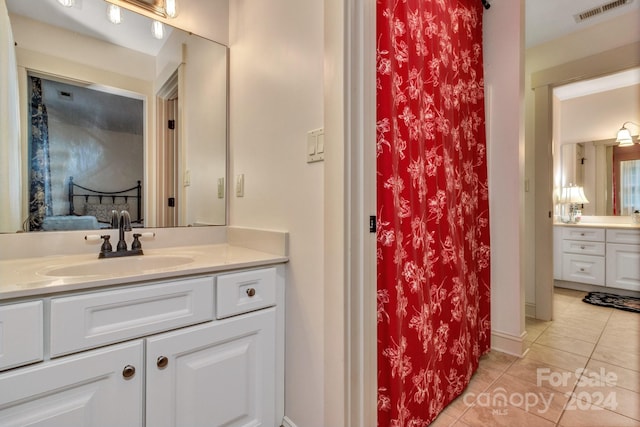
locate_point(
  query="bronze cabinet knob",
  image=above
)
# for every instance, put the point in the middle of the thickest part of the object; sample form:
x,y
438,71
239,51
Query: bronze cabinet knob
x,y
162,362
251,292
128,371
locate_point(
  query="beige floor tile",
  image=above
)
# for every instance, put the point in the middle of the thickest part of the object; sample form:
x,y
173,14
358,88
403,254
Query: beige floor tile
x,y
613,375
497,361
539,374
541,401
558,358
580,414
443,420
624,340
560,341
615,357
573,329
480,416
626,318
459,405
483,378
615,399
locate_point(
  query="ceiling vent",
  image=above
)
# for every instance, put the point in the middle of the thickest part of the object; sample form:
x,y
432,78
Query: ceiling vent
x,y
599,10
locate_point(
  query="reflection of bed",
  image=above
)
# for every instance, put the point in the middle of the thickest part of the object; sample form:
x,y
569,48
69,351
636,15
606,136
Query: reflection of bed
x,y
91,209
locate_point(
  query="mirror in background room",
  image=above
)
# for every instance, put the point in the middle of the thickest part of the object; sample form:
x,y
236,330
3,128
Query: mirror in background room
x,y
116,116
609,175
602,174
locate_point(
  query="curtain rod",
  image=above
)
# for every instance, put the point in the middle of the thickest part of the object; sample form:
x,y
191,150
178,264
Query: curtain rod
x,y
486,4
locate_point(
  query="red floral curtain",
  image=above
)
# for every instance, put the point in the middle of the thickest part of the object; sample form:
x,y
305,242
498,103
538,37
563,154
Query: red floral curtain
x,y
433,208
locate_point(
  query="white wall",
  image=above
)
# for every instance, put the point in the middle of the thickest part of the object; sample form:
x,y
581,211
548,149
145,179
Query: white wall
x,y
599,38
504,66
276,96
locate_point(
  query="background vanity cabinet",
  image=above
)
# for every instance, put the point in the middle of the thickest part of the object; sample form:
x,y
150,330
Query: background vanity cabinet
x,y
598,256
623,259
154,355
583,251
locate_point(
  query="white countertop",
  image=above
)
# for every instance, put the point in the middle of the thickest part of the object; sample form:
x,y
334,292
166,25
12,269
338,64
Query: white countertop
x,y
630,226
28,276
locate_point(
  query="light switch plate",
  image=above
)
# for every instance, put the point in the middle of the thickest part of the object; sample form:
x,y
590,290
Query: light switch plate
x,y
315,145
240,185
220,188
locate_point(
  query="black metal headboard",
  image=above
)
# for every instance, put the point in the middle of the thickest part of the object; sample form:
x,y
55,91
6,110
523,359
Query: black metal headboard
x,y
111,197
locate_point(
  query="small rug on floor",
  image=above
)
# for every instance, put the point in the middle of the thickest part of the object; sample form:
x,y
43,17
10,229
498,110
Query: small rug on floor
x,y
611,300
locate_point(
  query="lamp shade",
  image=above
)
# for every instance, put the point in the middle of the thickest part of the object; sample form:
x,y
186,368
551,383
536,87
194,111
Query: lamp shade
x,y
573,194
624,137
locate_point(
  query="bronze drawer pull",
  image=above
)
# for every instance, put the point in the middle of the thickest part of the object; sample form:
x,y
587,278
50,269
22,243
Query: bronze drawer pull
x,y
251,292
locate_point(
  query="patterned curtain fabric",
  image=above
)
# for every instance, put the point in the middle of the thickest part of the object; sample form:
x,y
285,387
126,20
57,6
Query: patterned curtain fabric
x,y
433,210
40,201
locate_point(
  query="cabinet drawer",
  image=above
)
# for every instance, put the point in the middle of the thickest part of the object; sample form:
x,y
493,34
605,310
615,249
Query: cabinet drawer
x,y
21,336
620,235
245,291
583,233
583,268
90,320
583,247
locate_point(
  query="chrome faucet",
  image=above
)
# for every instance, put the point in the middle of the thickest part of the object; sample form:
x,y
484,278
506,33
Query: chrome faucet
x,y
124,224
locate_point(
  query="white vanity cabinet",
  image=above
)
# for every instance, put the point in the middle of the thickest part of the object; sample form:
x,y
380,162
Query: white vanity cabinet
x,y
623,259
600,256
583,251
97,388
155,355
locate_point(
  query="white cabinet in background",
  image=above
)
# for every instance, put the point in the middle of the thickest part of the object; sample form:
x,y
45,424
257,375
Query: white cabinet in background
x,y
607,257
583,253
623,259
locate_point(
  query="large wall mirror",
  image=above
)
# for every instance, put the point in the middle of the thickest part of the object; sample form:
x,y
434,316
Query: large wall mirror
x,y
609,175
586,117
107,106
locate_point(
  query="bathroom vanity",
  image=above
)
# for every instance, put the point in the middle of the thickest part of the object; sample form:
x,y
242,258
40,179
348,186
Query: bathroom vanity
x,y
606,256
192,337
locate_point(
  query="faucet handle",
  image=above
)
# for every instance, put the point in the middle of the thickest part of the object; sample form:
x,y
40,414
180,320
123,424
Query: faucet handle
x,y
136,243
106,245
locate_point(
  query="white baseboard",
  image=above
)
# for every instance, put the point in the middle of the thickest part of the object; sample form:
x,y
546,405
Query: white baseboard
x,y
508,343
286,422
530,309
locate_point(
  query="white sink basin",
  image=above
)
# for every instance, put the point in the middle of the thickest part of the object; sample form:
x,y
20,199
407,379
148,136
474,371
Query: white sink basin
x,y
124,265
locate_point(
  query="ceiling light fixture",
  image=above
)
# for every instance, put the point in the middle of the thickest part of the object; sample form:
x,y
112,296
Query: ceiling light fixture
x,y
157,29
67,3
624,138
114,14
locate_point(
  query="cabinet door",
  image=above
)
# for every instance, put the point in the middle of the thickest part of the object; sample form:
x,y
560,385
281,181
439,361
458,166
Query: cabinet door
x,y
86,390
623,266
216,374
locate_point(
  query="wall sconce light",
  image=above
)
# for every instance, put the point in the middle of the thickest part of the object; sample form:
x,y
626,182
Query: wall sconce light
x,y
114,14
67,3
624,138
170,8
157,29
163,8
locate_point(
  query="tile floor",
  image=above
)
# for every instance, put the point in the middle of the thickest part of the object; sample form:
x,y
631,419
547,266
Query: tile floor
x,y
582,369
